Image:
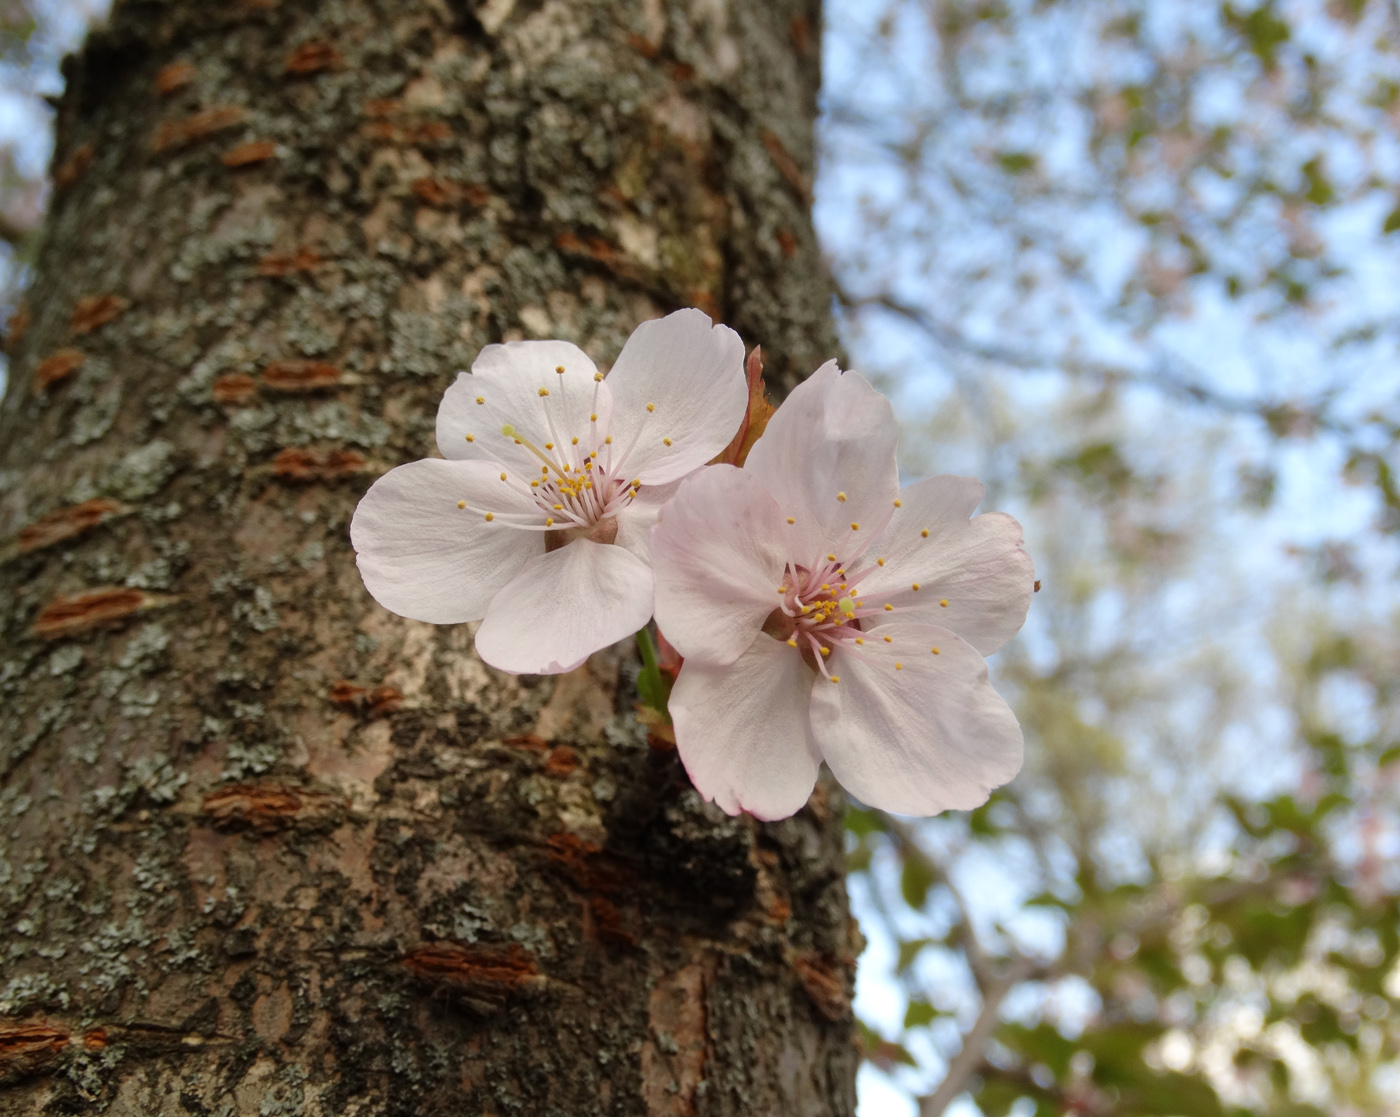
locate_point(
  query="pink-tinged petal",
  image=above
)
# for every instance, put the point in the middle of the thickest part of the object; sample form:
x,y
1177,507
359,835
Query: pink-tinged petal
x,y
743,731
422,556
563,607
634,523
828,458
977,566
692,371
719,557
507,380
929,735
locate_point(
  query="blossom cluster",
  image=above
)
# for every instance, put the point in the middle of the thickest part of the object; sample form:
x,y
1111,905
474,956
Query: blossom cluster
x,y
822,612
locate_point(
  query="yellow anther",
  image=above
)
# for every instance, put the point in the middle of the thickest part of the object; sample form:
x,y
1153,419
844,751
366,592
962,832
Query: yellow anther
x,y
667,441
651,407
924,533
792,643
888,607
791,520
879,562
559,369
461,504
899,667
936,651
503,476
889,639
806,609
549,446
825,586
916,587
544,392
830,558
544,469
899,504
480,399
841,497
534,484
835,678
860,641
607,441
782,589
508,430
549,521
855,527
471,438
944,602
847,605
593,418
518,442
559,508
490,516
574,442
597,376
826,651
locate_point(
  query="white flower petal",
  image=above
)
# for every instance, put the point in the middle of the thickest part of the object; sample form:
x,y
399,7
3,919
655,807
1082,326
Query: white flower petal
x,y
508,379
634,523
423,557
930,736
977,566
564,606
693,372
719,558
743,730
828,458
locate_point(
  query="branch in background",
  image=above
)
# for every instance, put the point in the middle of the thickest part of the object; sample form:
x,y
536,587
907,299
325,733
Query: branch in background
x,y
993,981
1287,417
973,1054
977,959
12,231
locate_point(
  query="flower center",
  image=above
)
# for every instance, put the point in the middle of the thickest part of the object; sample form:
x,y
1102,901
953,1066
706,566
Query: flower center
x,y
818,612
604,531
575,495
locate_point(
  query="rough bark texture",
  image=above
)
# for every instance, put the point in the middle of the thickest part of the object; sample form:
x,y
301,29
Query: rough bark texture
x,y
268,849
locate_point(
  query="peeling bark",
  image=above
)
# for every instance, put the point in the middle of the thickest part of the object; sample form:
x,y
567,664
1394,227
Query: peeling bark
x,y
267,848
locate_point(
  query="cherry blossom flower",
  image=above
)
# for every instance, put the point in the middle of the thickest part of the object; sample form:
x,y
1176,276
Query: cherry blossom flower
x,y
537,522
826,614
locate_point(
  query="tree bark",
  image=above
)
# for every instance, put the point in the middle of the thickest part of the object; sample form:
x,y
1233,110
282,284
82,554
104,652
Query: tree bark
x,y
267,848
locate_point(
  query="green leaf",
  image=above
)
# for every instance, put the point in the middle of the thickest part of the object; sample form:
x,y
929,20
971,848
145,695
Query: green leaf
x,y
1319,190
915,881
919,1014
997,1095
1261,29
862,822
1040,1044
908,951
1392,221
1016,162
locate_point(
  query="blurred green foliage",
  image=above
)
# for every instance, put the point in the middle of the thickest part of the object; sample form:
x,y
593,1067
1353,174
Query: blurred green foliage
x,y
1133,264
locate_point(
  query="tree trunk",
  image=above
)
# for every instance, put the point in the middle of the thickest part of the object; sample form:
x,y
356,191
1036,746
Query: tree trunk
x,y
269,849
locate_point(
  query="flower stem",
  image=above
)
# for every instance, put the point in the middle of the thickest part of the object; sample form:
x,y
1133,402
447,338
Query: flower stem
x,y
652,687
